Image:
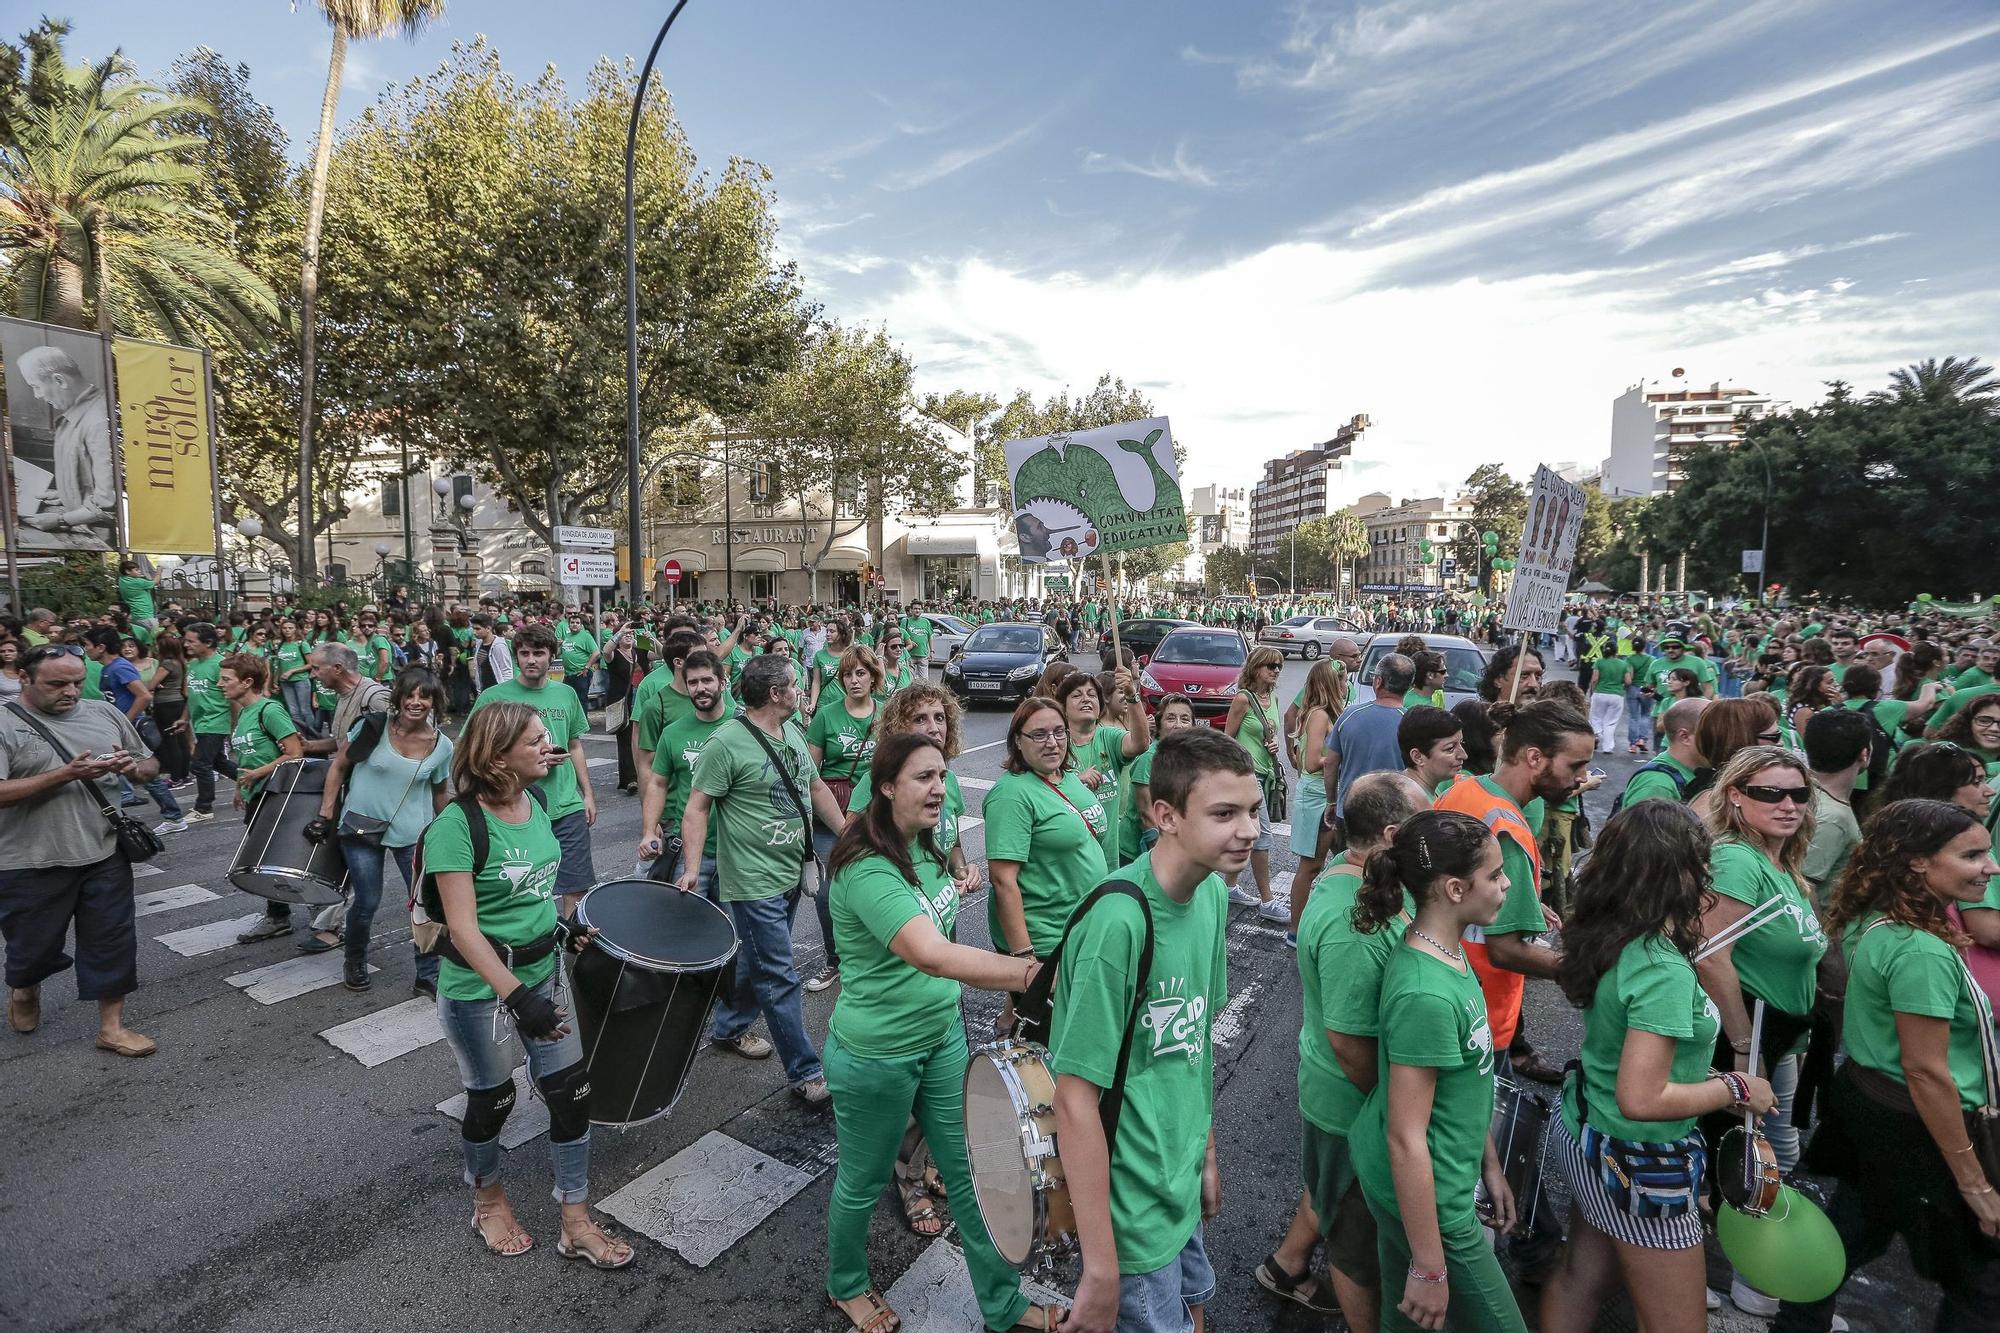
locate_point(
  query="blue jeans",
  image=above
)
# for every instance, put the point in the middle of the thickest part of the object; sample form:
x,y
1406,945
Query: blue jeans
x,y
366,870
299,703
823,840
1638,718
162,795
767,983
477,1032
1159,1301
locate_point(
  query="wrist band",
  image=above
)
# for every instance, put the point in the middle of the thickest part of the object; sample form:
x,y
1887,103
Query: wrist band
x,y
1432,1278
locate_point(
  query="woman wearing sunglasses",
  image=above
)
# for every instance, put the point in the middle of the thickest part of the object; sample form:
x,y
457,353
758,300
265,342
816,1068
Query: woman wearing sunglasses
x,y
1762,822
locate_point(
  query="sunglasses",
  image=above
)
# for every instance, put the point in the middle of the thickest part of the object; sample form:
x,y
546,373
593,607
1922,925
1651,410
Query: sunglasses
x,y
1774,795
48,651
1769,737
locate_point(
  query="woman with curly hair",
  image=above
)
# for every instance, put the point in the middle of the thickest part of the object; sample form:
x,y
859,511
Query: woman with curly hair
x,y
1649,1031
1895,1134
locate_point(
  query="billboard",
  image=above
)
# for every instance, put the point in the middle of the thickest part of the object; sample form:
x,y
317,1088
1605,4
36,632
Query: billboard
x,y
59,420
1096,492
164,425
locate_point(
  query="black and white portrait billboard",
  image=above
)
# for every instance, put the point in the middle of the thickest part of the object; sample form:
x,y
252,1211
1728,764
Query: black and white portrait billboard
x,y
59,417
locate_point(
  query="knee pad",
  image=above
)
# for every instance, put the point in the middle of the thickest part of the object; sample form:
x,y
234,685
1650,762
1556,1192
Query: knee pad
x,y
567,1092
486,1111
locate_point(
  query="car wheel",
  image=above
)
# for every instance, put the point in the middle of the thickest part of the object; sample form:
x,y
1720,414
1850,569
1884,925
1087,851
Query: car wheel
x,y
1310,651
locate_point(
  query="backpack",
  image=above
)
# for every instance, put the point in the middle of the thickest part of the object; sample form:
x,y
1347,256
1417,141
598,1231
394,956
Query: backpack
x,y
1881,747
428,931
1685,789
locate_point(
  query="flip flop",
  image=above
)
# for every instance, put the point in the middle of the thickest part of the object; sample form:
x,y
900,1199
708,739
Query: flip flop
x,y
314,944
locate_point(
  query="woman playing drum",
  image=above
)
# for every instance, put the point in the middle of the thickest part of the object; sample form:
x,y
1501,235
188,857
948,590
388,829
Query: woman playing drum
x,y
896,1043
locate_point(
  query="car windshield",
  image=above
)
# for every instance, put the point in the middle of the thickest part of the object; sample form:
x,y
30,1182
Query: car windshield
x,y
1219,649
1462,666
951,624
1296,620
1006,639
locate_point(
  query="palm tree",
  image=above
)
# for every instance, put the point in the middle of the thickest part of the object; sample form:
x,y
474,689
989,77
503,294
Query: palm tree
x,y
1935,381
97,206
359,20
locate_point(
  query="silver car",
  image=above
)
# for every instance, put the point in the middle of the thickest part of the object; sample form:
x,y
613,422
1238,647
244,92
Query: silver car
x,y
1310,636
1464,663
947,632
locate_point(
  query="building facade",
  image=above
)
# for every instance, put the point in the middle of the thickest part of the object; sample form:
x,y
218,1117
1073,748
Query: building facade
x,y
1305,484
1395,534
1655,425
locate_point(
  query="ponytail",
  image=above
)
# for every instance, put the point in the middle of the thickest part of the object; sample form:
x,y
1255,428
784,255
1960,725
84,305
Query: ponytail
x,y
1380,897
1430,846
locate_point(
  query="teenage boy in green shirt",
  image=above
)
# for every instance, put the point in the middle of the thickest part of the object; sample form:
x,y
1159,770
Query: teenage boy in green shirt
x,y
571,804
1140,1206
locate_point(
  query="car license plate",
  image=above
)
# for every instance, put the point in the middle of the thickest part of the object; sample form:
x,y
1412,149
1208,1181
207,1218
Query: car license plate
x,y
983,684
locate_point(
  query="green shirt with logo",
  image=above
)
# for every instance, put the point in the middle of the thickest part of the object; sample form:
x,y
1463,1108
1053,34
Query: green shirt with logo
x,y
674,760
1105,752
761,839
1057,838
513,890
1651,988
948,817
562,713
1340,981
208,711
255,735
887,1008
577,646
1778,962
846,742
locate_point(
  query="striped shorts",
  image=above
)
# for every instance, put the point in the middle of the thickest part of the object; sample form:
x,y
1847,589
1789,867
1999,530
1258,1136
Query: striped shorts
x,y
1602,1211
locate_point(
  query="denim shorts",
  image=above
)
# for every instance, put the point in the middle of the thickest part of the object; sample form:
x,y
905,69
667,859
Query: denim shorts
x,y
575,873
481,1036
1157,1302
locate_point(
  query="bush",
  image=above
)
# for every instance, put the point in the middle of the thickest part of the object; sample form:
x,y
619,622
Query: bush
x,y
77,584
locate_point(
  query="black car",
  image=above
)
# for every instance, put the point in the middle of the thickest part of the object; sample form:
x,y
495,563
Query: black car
x,y
1142,637
1002,662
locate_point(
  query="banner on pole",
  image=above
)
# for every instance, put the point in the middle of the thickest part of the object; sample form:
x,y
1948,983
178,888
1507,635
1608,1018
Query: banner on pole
x,y
165,417
65,486
1096,492
1548,552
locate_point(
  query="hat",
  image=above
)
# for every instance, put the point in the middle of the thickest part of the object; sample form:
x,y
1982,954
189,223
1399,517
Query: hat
x,y
1673,641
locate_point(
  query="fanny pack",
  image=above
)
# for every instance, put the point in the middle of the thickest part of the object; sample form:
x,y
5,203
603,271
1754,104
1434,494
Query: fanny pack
x,y
1645,1180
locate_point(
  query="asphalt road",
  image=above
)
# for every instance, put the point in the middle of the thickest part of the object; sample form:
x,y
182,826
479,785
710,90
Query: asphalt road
x,y
255,1175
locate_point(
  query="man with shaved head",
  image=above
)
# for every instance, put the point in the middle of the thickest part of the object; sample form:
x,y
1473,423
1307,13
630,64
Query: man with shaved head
x,y
1668,777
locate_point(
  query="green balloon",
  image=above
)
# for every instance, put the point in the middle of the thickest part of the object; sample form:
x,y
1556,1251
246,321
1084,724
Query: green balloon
x,y
1793,1254
1923,597
1490,537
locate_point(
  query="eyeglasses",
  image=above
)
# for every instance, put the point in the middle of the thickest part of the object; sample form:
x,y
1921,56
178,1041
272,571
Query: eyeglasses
x,y
1045,737
1990,720
1769,737
1776,795
43,652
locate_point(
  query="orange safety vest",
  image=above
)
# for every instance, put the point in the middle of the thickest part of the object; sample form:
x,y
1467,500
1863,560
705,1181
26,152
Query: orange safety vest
x,y
1503,988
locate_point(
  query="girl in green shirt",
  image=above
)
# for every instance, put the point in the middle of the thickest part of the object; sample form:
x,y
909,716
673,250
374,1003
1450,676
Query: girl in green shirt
x,y
1648,1035
1044,835
1434,1083
825,665
261,732
1252,720
896,1046
1100,752
842,740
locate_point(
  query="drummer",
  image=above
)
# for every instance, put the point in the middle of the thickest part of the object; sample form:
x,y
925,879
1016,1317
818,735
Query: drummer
x,y
261,736
896,1043
506,899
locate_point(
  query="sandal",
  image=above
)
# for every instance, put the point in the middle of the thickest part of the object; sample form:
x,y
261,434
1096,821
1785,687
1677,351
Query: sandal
x,y
1272,1277
505,1246
318,943
919,1211
934,1184
881,1319
604,1259
1040,1319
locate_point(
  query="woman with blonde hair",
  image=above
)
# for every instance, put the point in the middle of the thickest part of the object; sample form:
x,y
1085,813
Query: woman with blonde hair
x,y
1253,722
1325,695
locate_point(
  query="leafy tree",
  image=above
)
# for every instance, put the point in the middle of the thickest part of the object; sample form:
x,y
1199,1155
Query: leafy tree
x,y
1499,505
98,205
1346,544
1226,570
1932,380
351,20
1595,537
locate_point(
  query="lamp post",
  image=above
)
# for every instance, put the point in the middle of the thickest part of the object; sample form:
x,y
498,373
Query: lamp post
x,y
1764,541
250,529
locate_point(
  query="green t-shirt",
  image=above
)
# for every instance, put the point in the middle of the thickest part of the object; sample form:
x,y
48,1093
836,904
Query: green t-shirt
x,y
1651,988
887,1008
1611,673
577,646
1969,679
1060,852
1130,827
562,714
1250,735
761,840
1340,981
1521,914
208,711
948,817
1948,707
1899,969
513,889
1433,1017
656,705
827,663
917,629
93,678
1777,962
378,657
254,737
846,742
1656,675
679,750
290,657
1650,784
1169,1083
136,593
1105,753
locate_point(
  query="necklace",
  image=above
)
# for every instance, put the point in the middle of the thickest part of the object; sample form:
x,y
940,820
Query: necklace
x,y
1456,955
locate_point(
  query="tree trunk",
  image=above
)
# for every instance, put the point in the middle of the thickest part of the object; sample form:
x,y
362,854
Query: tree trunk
x,y
309,294
66,288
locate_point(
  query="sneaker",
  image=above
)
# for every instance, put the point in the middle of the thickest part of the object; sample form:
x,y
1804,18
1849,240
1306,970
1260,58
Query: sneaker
x,y
749,1045
267,928
813,1092
822,980
1713,1300
354,973
1275,910
1750,1300
132,800
198,816
1291,940
1242,897
167,826
426,987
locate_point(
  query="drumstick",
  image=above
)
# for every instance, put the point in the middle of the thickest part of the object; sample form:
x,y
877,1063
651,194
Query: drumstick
x,y
1756,1045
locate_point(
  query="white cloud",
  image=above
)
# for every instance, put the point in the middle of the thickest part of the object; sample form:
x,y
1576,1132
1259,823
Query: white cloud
x,y
1179,170
1776,259
958,159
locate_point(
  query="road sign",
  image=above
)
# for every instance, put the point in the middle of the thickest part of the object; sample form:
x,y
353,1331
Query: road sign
x,y
588,538
1753,562
1448,568
671,571
586,569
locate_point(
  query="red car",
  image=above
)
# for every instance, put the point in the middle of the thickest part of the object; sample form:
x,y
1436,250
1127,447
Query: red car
x,y
1200,664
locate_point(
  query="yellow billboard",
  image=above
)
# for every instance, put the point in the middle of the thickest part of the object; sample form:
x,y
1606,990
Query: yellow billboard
x,y
164,419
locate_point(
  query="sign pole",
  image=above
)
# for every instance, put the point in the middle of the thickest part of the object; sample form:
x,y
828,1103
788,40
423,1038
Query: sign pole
x,y
8,527
1520,657
1111,610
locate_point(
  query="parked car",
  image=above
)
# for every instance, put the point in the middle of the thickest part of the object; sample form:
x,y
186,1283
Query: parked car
x,y
1001,662
1464,663
1310,636
1201,664
947,632
1141,636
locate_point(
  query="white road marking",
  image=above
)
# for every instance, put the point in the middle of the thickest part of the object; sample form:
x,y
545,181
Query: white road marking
x,y
380,1037
198,940
165,900
975,749
967,825
528,1120
934,1294
706,1197
140,872
291,977
1281,830
977,784
1229,1023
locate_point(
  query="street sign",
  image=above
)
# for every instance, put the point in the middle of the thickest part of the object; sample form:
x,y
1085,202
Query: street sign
x,y
588,538
586,569
1448,568
1753,562
671,571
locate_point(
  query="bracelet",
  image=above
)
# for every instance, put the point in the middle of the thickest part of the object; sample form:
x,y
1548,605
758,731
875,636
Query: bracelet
x,y
1966,1148
1740,1045
1739,1087
1028,952
1983,1189
1432,1279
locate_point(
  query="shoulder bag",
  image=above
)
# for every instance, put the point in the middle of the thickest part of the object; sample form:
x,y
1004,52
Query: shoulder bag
x,y
136,842
1276,803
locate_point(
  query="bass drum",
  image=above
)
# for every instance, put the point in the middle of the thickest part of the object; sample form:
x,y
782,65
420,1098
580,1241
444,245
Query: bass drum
x,y
1010,1139
275,860
643,989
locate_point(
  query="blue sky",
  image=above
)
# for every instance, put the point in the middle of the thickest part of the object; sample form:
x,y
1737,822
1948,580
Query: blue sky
x,y
1475,220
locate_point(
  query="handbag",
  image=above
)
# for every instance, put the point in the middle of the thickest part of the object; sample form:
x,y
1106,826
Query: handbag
x,y
136,842
1277,804
367,829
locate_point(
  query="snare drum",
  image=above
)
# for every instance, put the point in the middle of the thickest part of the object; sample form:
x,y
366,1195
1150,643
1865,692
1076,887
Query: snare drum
x,y
1010,1139
643,989
275,860
1520,1130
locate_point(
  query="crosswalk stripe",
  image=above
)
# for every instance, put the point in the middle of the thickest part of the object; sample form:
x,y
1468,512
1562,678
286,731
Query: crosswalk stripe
x,y
529,1119
165,900
291,977
706,1197
977,784
1229,1024
967,825
198,940
141,871
1281,830
380,1037
934,1294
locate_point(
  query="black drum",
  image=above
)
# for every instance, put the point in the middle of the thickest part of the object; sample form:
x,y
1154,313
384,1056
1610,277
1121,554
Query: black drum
x,y
642,989
275,860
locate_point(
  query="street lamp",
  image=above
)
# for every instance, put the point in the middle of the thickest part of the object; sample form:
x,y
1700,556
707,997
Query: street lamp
x,y
1763,542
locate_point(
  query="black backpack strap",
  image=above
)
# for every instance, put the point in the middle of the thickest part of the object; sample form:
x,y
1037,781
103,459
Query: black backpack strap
x,y
1039,995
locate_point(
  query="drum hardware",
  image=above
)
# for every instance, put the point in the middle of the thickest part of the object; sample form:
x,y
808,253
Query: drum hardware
x,y
1521,1121
1017,1174
1747,1164
275,859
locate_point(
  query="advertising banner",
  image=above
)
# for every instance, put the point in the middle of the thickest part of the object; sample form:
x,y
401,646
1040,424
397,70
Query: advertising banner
x,y
65,483
163,418
1096,492
1548,552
